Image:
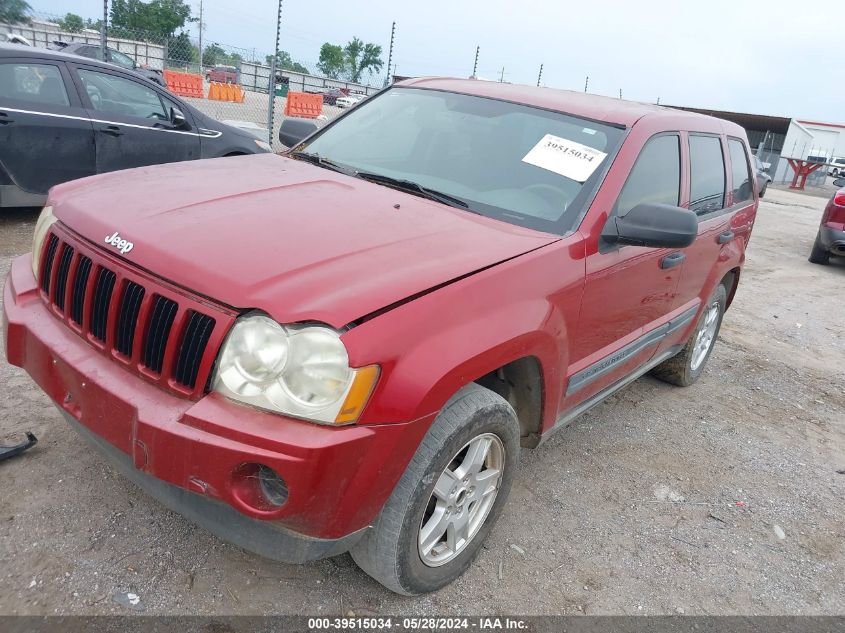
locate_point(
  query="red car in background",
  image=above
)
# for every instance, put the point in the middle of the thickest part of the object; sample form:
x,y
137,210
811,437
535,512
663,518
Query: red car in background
x,y
830,240
222,74
331,95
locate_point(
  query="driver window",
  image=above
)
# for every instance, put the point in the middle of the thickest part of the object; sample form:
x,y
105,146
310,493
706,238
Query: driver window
x,y
656,176
116,95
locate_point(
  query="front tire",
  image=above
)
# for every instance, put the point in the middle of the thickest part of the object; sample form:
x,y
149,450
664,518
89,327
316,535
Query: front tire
x,y
448,499
763,190
686,366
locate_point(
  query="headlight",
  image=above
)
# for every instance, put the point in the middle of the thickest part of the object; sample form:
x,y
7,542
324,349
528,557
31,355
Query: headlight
x,y
302,371
42,225
265,146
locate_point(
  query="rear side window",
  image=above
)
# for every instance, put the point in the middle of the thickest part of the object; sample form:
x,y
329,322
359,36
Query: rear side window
x,y
655,177
740,171
707,174
38,83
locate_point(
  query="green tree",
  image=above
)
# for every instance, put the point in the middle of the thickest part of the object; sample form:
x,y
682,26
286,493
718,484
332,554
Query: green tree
x,y
360,57
153,20
181,51
14,11
285,62
332,63
71,23
214,54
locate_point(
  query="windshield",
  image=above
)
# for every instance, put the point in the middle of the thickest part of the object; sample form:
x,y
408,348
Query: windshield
x,y
512,162
122,60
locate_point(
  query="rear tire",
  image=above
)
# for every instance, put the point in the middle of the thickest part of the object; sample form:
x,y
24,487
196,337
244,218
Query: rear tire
x,y
819,255
402,549
686,366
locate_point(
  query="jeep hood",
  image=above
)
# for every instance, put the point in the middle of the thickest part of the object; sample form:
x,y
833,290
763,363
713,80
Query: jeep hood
x,y
293,239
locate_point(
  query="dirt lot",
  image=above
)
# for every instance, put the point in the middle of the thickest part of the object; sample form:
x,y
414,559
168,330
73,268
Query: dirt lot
x,y
720,498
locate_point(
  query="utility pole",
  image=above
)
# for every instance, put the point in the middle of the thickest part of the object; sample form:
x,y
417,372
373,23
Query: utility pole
x,y
540,75
103,29
200,37
475,65
658,100
502,77
390,54
272,79
620,93
586,83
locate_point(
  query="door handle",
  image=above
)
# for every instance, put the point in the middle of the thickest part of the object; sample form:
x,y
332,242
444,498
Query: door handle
x,y
672,260
111,130
725,237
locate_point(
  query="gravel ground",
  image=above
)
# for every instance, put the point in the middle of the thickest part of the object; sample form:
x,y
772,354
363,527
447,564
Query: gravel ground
x,y
722,498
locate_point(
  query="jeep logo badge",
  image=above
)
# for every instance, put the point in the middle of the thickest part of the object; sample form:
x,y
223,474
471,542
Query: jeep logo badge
x,y
119,243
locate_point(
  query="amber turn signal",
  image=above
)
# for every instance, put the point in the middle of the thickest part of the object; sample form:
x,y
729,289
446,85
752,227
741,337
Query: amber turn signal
x,y
362,388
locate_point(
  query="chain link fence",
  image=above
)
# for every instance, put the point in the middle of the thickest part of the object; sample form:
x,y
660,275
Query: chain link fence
x,y
250,69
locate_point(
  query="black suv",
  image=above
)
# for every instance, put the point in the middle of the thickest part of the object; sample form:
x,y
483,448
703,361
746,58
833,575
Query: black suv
x,y
63,117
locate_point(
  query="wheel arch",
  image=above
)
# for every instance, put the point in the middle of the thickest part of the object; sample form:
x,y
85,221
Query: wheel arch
x,y
522,370
520,382
731,282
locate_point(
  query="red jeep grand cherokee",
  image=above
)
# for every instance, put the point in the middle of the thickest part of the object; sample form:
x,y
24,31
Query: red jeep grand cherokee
x,y
345,348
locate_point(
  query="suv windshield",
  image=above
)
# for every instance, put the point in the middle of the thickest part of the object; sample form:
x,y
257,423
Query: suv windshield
x,y
122,60
516,163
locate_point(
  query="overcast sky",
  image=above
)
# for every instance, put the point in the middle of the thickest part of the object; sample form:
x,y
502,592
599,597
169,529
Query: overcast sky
x,y
765,57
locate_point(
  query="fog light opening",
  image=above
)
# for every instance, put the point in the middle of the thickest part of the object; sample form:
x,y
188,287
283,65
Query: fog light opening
x,y
272,486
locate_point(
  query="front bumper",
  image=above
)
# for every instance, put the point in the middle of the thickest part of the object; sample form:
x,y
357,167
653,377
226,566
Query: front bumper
x,y
263,538
832,240
191,454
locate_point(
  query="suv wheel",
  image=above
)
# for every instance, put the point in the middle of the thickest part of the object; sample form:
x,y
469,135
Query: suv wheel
x,y
686,366
449,497
819,255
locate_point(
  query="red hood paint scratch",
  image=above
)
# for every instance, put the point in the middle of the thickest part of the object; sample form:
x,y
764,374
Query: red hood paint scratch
x,y
296,240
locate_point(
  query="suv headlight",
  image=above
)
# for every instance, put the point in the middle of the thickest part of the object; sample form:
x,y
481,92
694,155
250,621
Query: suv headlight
x,y
45,220
297,370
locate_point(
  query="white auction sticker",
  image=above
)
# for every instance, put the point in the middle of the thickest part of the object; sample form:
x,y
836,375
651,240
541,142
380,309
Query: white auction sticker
x,y
567,158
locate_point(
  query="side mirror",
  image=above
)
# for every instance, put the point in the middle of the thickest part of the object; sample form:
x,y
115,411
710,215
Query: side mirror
x,y
652,224
177,118
293,130
839,182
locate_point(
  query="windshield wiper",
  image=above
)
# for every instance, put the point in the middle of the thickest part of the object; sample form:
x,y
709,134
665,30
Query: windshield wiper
x,y
316,159
414,187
